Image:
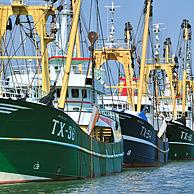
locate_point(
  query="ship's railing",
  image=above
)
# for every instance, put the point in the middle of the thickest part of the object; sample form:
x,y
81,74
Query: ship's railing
x,y
26,69
23,69
10,90
118,43
35,2
109,113
75,69
159,61
113,104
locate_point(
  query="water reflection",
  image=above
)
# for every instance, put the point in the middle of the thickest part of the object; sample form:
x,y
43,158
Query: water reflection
x,y
176,177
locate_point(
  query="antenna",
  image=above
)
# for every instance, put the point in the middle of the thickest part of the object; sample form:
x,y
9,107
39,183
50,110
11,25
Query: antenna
x,y
112,28
156,30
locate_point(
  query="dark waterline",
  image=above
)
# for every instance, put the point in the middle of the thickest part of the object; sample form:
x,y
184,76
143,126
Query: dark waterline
x,y
175,177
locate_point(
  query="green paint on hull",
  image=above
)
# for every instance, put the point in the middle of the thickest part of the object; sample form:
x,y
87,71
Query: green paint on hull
x,y
181,141
41,141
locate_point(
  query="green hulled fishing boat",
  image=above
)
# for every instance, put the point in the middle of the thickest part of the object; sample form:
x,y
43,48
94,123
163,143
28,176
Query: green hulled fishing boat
x,y
180,129
176,98
40,143
40,139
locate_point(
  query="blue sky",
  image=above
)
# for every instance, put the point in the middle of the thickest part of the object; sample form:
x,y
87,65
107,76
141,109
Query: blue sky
x,y
169,12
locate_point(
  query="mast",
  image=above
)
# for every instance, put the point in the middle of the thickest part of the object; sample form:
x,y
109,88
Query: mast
x,y
61,38
111,37
72,40
157,42
40,15
186,27
112,50
169,78
147,12
128,36
127,62
78,50
92,36
166,65
167,50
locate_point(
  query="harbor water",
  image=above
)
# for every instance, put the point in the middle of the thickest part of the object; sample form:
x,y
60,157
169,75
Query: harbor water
x,y
175,177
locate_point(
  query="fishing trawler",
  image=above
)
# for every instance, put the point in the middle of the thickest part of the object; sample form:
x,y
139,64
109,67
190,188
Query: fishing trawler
x,y
180,125
145,143
175,100
40,137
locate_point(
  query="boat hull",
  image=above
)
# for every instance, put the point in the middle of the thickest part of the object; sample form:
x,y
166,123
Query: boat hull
x,y
142,147
181,141
39,143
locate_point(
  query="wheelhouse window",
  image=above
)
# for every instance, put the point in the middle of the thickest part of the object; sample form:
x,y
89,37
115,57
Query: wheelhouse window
x,y
58,91
84,93
119,106
75,93
114,106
